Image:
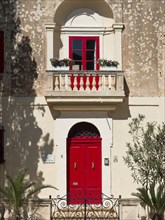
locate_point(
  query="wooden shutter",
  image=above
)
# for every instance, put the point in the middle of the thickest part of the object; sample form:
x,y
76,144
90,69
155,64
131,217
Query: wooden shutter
x,y
2,145
1,52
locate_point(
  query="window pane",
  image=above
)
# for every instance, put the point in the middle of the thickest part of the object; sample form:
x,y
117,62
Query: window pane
x,y
77,55
90,66
77,44
90,44
90,55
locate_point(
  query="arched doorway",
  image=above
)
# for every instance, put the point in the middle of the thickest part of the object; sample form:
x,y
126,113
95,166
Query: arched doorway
x,y
84,176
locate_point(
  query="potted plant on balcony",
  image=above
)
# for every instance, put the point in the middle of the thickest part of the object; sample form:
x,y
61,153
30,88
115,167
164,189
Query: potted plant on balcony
x,y
61,64
106,64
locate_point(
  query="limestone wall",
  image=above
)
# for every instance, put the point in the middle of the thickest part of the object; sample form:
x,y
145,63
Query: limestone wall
x,y
25,43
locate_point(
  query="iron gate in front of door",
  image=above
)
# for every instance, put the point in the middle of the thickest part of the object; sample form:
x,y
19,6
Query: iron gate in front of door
x,y
108,209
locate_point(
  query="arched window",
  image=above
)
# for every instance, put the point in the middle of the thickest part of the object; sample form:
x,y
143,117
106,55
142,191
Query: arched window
x,y
83,129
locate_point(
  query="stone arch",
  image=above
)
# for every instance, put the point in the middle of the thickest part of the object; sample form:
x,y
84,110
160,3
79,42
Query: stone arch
x,y
66,8
82,18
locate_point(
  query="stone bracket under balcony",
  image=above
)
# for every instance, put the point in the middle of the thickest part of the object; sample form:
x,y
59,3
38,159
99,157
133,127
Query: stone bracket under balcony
x,y
84,90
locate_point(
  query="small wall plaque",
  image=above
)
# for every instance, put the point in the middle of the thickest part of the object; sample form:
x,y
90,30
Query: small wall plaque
x,y
49,158
106,161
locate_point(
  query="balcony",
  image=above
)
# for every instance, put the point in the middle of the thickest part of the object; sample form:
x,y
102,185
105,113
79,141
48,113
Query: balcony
x,y
84,90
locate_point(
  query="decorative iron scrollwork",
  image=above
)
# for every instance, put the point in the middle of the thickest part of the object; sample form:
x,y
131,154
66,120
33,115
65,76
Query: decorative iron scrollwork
x,y
87,210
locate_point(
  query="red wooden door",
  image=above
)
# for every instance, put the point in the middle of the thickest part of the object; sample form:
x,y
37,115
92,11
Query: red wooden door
x,y
84,170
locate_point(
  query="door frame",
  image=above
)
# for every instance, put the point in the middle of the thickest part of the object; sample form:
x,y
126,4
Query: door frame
x,y
63,125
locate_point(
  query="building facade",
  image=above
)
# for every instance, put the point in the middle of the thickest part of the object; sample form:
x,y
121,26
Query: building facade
x,y
69,125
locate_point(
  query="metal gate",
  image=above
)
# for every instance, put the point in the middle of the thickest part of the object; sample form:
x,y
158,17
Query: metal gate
x,y
108,209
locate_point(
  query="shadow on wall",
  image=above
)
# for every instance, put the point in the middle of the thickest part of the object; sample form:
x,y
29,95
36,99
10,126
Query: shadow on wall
x,y
25,142
122,112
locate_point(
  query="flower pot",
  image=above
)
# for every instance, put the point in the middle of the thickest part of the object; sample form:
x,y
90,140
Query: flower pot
x,y
61,68
108,68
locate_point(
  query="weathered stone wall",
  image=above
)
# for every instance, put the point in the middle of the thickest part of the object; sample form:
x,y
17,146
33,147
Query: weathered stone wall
x,y
24,24
143,47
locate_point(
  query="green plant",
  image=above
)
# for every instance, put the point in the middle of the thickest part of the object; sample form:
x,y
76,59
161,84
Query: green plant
x,y
18,191
154,198
145,154
106,62
63,62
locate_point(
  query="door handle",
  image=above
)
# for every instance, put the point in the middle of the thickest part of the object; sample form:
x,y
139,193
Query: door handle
x,y
75,165
93,165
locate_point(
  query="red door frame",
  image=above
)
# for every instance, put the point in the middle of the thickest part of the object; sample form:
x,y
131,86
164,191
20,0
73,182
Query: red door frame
x,y
84,38
85,181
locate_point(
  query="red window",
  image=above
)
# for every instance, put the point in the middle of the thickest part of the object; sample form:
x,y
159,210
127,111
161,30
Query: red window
x,y
1,51
85,52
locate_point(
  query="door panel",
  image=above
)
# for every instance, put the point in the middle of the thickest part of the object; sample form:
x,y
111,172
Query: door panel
x,y
75,166
84,170
93,157
76,183
93,178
